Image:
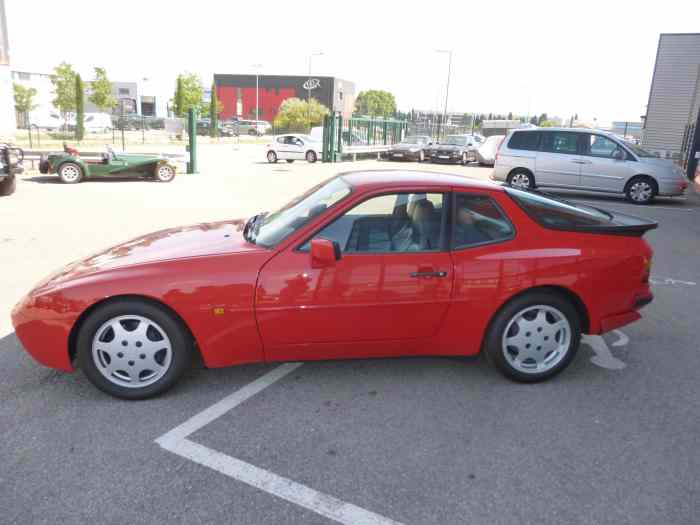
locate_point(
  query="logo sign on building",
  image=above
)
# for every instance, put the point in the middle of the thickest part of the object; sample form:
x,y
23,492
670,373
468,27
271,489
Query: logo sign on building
x,y
312,83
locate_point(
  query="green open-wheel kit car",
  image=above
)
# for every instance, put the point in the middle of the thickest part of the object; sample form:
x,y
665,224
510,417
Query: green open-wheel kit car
x,y
72,168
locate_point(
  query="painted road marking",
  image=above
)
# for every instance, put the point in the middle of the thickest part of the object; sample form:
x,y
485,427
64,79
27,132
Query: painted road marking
x,y
655,279
603,356
176,441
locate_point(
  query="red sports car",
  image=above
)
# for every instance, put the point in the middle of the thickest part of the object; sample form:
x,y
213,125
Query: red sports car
x,y
366,264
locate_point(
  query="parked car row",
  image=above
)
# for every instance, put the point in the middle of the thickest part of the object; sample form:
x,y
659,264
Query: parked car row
x,y
11,158
453,149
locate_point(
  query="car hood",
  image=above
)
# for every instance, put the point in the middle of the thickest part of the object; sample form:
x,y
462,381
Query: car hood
x,y
448,147
213,238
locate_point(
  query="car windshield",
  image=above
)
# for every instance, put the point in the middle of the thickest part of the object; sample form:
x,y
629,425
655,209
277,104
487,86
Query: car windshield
x,y
414,140
279,225
640,152
455,140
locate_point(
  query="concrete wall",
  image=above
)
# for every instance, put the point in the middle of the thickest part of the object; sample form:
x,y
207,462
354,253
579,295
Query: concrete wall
x,y
674,97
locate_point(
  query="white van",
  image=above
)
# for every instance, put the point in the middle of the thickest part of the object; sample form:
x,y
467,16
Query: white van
x,y
94,122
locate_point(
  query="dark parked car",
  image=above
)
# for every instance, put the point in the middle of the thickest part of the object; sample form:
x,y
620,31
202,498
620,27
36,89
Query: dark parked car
x,y
455,148
413,147
204,127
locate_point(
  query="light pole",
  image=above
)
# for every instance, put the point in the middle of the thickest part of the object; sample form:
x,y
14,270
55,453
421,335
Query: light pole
x,y
257,67
308,96
447,88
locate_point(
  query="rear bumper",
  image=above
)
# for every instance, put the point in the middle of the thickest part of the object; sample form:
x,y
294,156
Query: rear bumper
x,y
672,189
613,322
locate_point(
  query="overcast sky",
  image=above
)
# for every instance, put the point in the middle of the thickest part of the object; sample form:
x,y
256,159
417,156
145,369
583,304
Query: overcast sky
x,y
594,58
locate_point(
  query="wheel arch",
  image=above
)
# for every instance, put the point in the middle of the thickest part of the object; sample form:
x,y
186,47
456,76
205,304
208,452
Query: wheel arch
x,y
75,329
651,178
562,291
519,169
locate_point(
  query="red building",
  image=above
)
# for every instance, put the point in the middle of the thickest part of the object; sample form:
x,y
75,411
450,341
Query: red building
x,y
237,93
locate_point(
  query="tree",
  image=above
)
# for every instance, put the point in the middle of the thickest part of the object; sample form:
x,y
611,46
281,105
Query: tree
x,y
101,94
24,100
188,94
533,120
214,110
376,103
296,114
63,80
79,108
510,115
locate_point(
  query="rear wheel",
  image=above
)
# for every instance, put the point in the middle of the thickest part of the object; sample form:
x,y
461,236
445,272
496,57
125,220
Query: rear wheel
x,y
165,173
641,190
534,337
521,178
271,157
70,173
8,186
311,156
133,349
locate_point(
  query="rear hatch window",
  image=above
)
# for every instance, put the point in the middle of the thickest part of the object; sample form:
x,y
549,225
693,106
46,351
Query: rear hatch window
x,y
558,214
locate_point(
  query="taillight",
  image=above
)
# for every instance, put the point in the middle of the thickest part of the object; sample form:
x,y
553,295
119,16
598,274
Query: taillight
x,y
498,149
646,269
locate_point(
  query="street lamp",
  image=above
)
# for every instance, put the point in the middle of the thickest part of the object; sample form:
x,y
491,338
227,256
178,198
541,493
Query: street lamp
x,y
447,89
257,67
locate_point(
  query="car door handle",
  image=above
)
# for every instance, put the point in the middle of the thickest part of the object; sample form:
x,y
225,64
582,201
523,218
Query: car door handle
x,y
581,162
428,274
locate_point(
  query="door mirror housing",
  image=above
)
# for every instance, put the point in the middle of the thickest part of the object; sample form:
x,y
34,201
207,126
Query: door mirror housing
x,y
324,253
619,154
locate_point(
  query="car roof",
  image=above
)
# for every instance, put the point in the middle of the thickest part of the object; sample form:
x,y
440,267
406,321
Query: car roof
x,y
396,179
580,130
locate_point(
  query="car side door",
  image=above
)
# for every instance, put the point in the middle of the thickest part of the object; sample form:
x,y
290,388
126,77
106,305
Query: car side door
x,y
297,148
386,294
607,166
558,160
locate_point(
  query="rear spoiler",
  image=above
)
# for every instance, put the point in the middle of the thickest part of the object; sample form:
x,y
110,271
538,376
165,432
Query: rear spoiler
x,y
621,224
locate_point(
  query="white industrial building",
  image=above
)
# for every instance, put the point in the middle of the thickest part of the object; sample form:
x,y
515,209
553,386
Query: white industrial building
x,y
674,97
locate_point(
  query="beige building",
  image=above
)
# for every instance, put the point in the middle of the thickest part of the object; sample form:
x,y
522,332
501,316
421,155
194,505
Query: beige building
x,y
674,98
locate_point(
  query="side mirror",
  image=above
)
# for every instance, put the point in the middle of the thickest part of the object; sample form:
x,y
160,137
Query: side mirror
x,y
324,253
618,154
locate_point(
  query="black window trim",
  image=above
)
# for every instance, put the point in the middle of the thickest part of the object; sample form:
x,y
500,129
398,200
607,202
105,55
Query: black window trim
x,y
453,221
444,241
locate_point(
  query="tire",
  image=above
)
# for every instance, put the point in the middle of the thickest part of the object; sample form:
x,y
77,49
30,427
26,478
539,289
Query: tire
x,y
164,173
290,161
523,342
252,133
8,186
271,157
121,370
641,190
465,160
311,157
521,178
70,173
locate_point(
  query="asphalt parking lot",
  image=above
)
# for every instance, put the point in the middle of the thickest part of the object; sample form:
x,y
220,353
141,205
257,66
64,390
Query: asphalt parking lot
x,y
614,439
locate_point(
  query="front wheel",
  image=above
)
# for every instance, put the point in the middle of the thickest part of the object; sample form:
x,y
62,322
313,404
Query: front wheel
x,y
8,186
165,173
70,173
133,349
271,157
534,337
311,156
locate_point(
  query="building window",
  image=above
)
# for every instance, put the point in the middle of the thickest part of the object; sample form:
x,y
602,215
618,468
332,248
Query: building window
x,y
24,76
124,91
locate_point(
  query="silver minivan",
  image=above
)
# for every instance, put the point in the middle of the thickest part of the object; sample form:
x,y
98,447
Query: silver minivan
x,y
585,159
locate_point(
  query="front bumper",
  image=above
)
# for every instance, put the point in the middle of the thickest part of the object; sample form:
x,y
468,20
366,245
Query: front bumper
x,y
403,155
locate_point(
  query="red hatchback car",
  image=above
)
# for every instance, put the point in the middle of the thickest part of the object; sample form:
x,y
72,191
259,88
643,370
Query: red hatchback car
x,y
366,264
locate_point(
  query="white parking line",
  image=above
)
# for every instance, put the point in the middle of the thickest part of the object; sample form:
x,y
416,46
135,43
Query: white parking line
x,y
655,279
176,441
603,356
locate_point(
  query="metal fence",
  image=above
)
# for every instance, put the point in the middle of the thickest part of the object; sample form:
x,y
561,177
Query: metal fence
x,y
359,134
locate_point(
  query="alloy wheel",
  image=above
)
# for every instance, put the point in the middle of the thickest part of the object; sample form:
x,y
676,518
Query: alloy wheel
x,y
131,351
641,191
165,173
70,173
520,180
536,339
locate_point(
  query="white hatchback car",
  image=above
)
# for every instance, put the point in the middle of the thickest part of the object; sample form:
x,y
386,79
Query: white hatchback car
x,y
585,159
293,147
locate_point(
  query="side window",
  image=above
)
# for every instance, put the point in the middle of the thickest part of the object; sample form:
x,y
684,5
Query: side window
x,y
560,142
398,222
280,140
599,146
527,140
478,220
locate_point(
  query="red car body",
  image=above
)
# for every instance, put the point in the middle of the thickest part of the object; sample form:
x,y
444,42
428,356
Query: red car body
x,y
244,303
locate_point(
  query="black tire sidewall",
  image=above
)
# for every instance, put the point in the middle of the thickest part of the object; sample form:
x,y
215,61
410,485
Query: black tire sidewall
x,y
274,157
492,342
181,347
8,186
530,178
76,181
